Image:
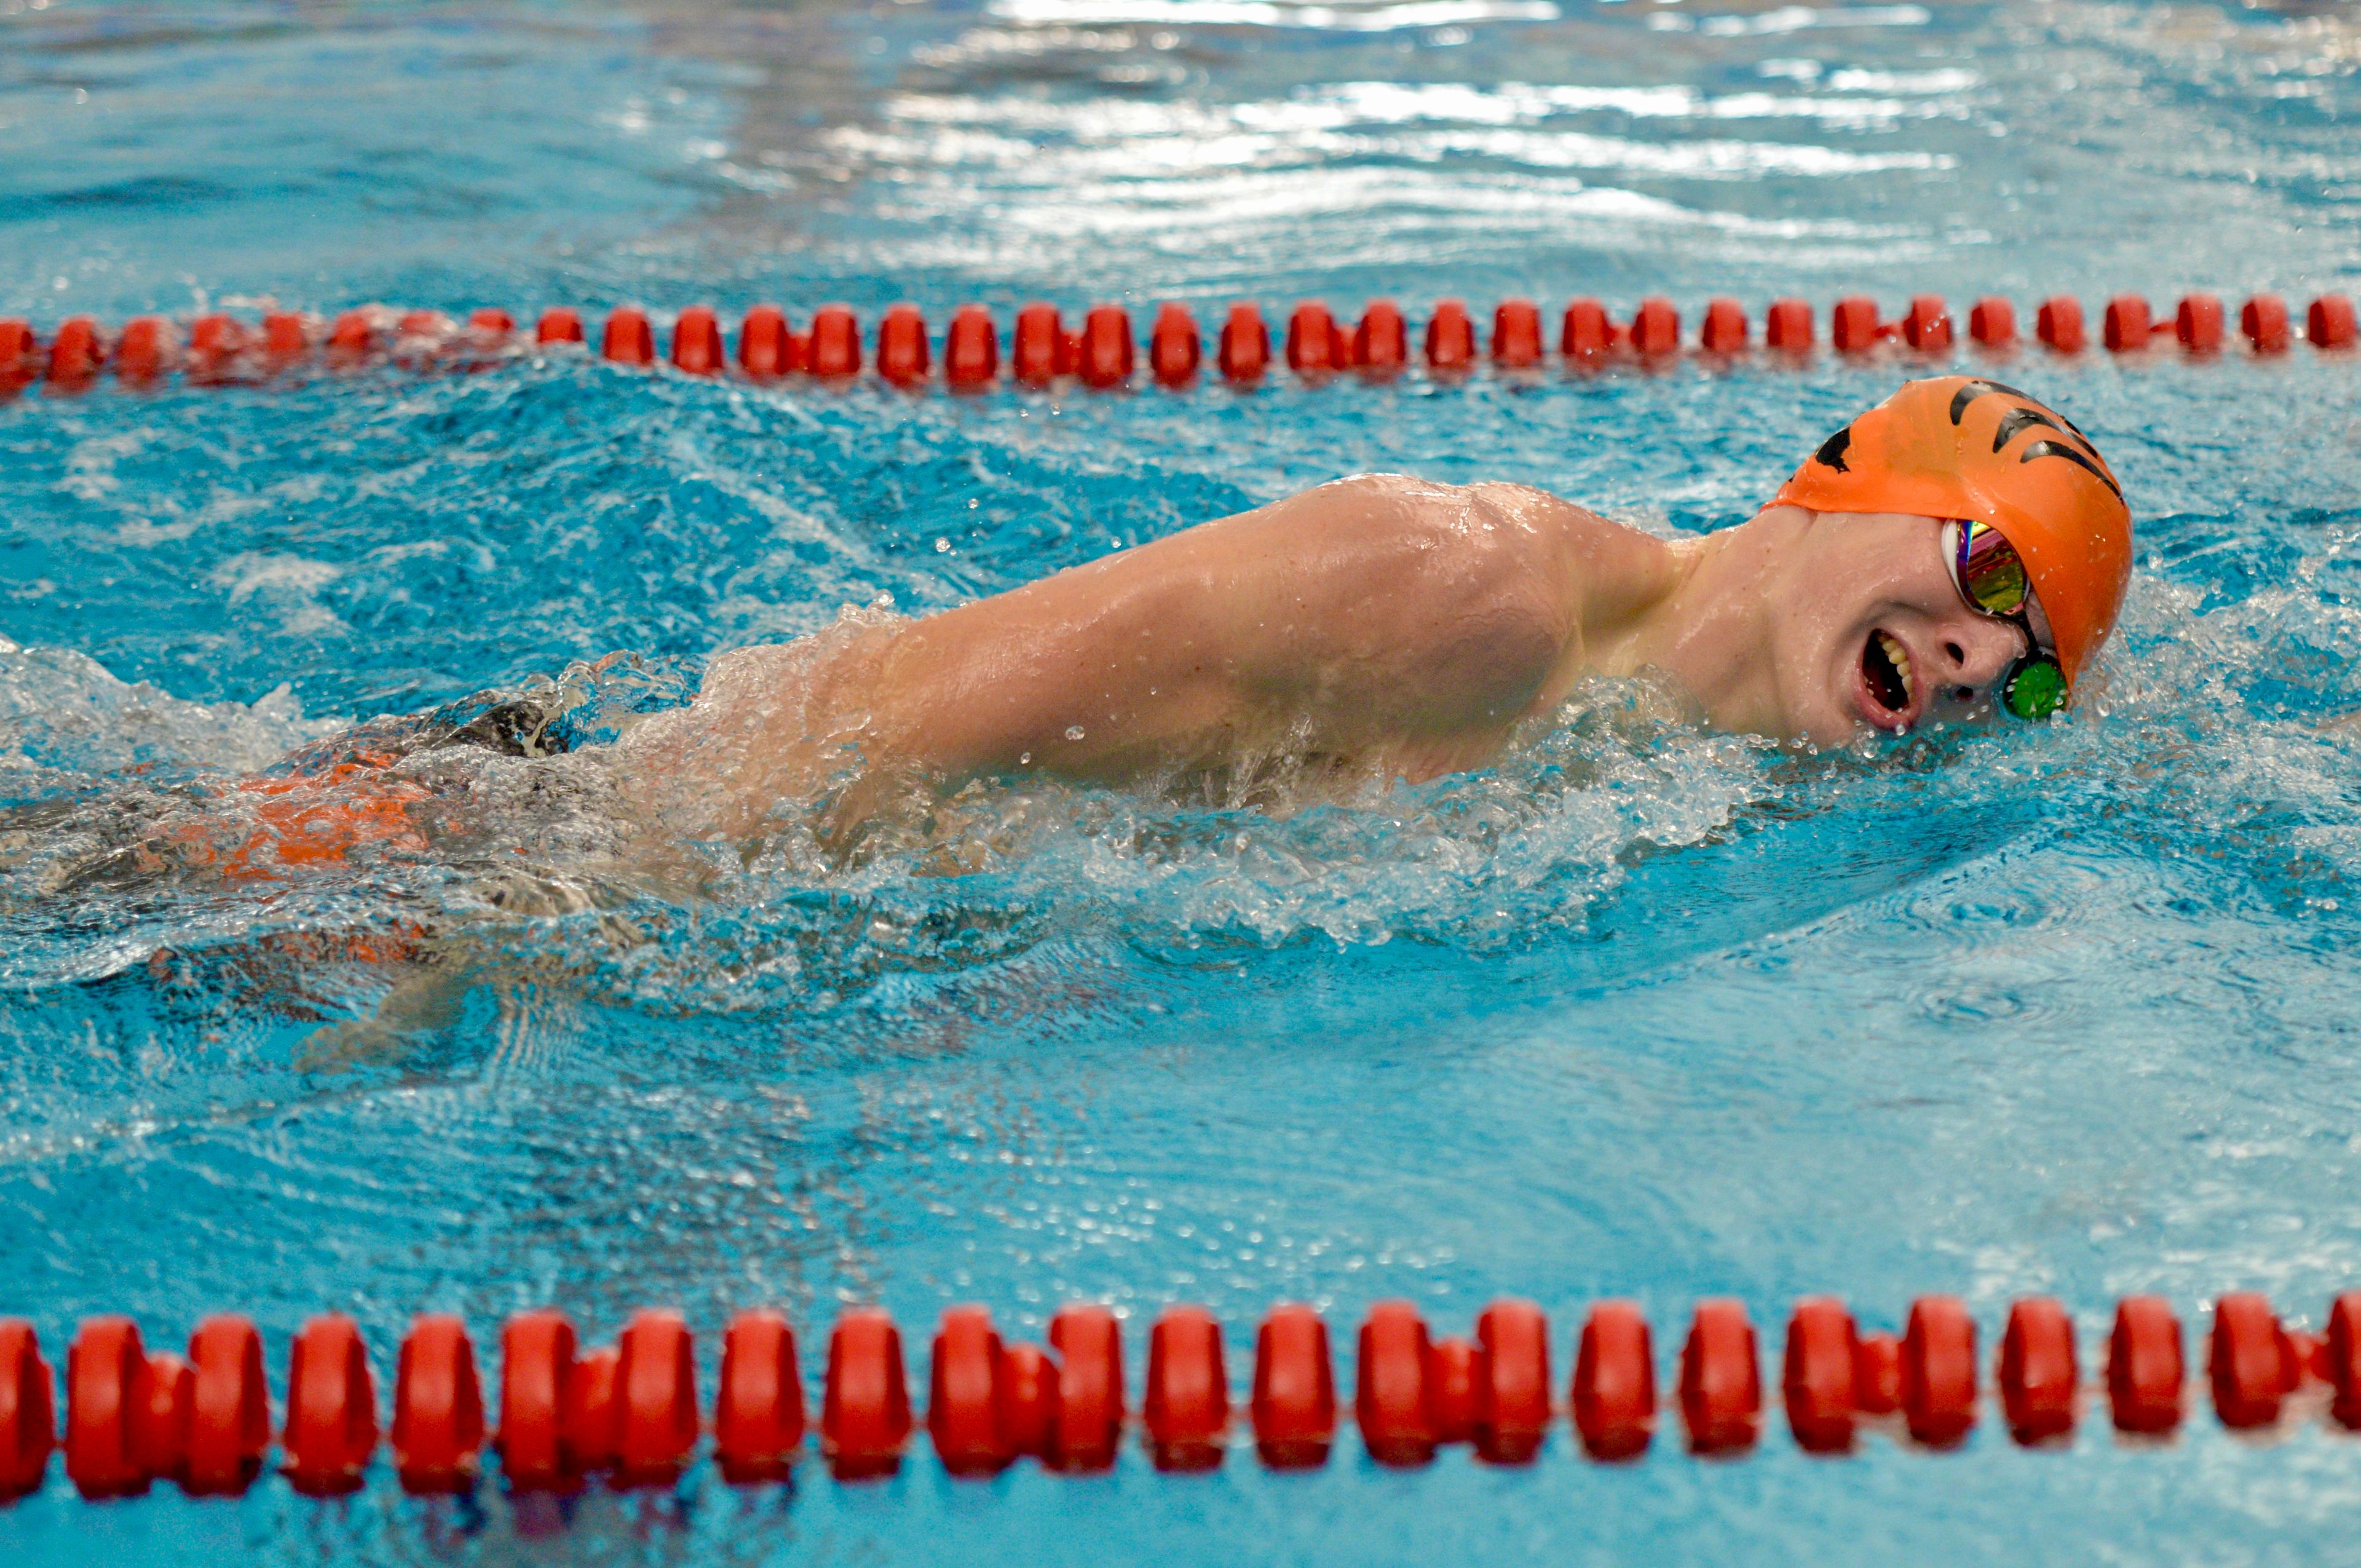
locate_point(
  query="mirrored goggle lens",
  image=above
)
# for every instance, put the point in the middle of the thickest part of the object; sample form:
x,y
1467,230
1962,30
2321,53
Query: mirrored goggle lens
x,y
1990,572
2035,688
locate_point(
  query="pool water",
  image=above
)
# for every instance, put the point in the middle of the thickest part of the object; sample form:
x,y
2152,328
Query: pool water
x,y
1642,1011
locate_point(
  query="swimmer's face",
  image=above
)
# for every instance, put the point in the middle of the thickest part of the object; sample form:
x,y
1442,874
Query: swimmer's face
x,y
1873,632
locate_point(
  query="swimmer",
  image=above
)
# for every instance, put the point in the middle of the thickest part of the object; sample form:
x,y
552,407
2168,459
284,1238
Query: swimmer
x,y
1957,548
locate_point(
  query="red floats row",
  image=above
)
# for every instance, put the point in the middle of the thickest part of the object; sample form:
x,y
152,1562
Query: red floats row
x,y
629,1410
1103,350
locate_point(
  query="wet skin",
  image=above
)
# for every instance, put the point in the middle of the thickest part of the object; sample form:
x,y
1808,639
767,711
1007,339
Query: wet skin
x,y
1380,624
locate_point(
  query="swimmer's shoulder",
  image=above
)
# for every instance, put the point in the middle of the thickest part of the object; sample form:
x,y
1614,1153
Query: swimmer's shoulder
x,y
1486,504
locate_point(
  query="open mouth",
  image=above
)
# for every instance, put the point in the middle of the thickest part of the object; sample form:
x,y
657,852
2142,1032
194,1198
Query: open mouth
x,y
1885,679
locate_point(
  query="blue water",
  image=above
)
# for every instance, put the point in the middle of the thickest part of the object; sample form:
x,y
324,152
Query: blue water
x,y
1641,1011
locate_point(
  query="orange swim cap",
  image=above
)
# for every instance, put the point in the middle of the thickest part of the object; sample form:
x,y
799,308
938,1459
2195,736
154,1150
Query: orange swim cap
x,y
1956,446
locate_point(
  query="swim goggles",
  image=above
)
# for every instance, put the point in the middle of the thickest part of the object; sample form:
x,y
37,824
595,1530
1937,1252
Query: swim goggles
x,y
1990,577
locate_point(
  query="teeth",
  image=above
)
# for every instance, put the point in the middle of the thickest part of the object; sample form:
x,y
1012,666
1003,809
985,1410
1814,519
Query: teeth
x,y
1901,657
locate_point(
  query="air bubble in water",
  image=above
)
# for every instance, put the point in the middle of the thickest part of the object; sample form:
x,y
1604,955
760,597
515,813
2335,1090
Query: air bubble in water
x,y
1073,731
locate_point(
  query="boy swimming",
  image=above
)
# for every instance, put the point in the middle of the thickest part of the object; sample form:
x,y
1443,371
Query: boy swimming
x,y
1958,546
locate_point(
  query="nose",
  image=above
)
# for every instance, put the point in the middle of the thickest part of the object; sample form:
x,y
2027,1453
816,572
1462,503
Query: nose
x,y
1978,650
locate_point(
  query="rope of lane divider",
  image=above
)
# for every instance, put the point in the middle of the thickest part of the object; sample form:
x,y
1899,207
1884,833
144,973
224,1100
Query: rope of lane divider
x,y
1104,351
630,1411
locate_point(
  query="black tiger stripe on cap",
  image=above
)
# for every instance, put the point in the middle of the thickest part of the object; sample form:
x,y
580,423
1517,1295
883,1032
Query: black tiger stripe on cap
x,y
2072,454
1832,451
1974,387
2038,415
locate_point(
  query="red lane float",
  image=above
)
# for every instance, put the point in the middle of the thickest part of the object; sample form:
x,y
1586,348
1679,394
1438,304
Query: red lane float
x,y
420,339
1512,1401
1853,326
1186,1408
835,342
1721,1380
217,343
331,1408
1585,334
28,1428
229,1405
76,354
1723,331
2330,322
2126,327
1614,1394
697,342
865,1406
2250,1360
1991,323
1655,331
2199,324
1313,342
1381,340
1787,326
164,1432
2264,321
106,1404
591,1410
768,347
1028,1395
627,339
21,354
2038,1374
147,350
655,1399
971,349
1938,1371
1390,1397
2145,1370
1517,334
903,356
1823,1342
1926,327
1450,337
1293,1405
1174,348
1039,355
353,337
1244,352
2058,324
630,1410
2342,1359
963,1406
1102,355
1087,1426
758,1416
1454,1373
537,1365
438,1407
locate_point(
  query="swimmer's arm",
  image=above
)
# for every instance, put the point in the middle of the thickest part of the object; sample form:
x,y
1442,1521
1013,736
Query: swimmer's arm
x,y
1372,611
